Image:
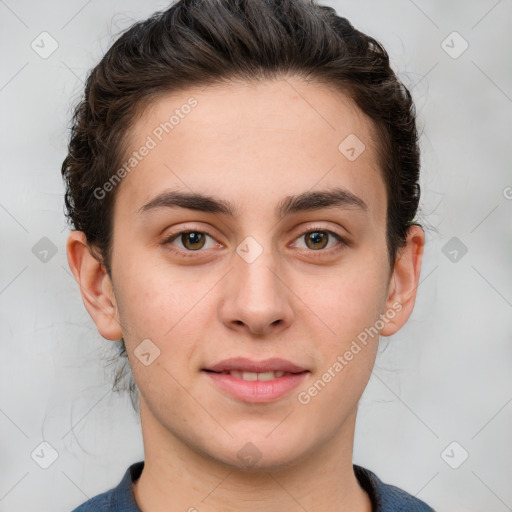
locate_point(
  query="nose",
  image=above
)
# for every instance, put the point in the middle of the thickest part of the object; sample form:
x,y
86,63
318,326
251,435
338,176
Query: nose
x,y
256,299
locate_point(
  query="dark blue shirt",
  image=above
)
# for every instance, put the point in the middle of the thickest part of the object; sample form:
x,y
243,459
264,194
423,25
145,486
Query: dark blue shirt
x,y
384,497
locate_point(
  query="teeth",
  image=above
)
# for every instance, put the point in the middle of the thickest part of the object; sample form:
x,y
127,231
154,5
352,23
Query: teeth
x,y
252,376
266,376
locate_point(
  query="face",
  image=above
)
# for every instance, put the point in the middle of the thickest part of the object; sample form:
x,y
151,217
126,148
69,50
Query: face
x,y
251,308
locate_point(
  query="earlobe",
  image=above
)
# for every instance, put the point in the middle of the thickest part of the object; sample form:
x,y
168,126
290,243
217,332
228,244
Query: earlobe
x,y
95,286
404,282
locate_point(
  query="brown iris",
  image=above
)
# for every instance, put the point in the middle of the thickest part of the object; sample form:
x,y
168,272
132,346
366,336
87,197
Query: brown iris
x,y
319,239
193,240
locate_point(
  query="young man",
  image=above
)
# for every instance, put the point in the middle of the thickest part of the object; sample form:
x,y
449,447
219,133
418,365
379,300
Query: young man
x,y
242,232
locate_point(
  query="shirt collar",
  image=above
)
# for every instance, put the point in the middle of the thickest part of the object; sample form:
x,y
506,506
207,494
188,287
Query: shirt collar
x,y
384,497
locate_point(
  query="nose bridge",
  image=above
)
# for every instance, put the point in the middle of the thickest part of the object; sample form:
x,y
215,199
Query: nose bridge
x,y
256,296
255,267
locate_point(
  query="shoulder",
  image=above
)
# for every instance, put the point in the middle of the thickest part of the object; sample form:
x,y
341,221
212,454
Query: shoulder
x,y
99,503
117,499
386,497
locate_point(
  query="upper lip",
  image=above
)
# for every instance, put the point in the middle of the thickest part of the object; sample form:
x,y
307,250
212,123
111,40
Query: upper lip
x,y
248,365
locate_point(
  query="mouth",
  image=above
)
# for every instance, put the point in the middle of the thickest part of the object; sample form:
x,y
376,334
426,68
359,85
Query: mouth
x,y
252,381
253,376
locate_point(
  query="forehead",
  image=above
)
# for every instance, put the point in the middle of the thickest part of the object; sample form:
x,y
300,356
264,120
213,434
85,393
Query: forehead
x,y
252,144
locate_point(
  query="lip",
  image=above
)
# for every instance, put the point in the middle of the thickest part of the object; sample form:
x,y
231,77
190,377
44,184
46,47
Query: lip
x,y
255,391
248,365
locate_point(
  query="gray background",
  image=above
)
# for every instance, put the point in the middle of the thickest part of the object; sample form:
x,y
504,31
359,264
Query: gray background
x,y
444,378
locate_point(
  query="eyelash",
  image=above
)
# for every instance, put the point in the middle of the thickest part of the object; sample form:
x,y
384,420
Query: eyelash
x,y
187,253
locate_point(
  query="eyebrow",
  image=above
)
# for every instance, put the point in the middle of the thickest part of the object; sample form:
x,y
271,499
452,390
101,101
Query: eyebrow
x,y
338,198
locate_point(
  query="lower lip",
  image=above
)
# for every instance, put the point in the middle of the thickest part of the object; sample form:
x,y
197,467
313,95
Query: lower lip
x,y
256,391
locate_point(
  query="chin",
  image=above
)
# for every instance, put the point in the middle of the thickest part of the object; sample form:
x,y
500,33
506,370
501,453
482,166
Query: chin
x,y
261,454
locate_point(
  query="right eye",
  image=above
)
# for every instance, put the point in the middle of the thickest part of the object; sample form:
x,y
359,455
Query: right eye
x,y
191,241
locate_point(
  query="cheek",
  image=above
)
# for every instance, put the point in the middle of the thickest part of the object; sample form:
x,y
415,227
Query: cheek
x,y
350,307
152,297
148,308
159,310
156,303
348,300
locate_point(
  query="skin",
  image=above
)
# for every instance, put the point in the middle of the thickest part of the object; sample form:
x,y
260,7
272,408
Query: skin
x,y
251,145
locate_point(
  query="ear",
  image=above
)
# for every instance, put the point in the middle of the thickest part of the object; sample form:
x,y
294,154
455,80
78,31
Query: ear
x,y
404,282
95,286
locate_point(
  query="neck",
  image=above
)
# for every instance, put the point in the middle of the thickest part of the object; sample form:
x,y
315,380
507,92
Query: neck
x,y
186,480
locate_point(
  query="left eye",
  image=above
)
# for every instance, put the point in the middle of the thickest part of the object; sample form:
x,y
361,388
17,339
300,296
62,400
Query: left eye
x,y
318,239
